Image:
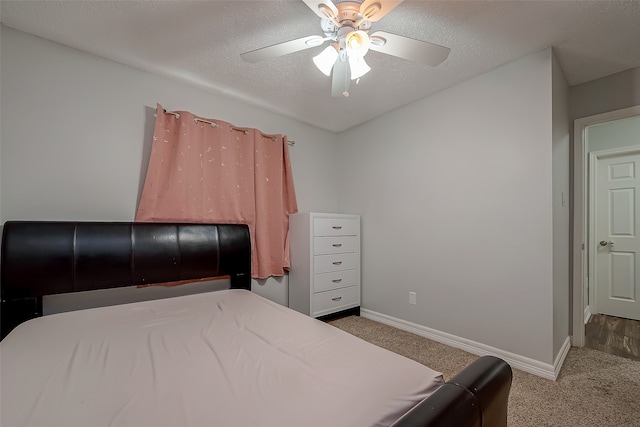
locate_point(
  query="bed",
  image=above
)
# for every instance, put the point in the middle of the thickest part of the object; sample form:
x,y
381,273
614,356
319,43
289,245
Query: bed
x,y
228,358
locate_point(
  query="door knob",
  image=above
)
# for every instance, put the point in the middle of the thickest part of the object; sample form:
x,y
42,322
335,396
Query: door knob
x,y
603,243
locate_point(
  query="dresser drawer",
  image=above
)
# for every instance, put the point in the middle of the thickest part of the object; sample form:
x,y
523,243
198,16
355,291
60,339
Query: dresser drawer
x,y
331,301
335,262
335,245
334,280
335,227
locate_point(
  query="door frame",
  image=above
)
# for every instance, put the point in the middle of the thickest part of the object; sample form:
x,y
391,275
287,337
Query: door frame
x,y
580,211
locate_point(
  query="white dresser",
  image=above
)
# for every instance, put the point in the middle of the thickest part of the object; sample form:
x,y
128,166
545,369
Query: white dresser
x,y
325,263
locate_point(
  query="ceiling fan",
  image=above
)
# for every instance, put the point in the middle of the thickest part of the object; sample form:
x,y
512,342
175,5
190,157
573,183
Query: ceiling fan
x,y
346,25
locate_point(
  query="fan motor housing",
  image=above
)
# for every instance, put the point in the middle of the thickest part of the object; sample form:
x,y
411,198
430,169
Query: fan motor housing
x,y
348,11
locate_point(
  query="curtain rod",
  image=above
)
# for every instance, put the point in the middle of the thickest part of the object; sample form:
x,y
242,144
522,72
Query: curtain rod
x,y
239,129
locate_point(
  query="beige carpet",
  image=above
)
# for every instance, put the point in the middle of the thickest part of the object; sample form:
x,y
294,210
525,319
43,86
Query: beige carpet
x,y
594,388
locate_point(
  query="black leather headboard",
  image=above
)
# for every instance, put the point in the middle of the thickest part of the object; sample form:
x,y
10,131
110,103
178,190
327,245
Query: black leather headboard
x,y
44,257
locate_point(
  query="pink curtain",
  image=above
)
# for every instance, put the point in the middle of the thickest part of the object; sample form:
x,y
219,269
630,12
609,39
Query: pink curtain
x,y
209,171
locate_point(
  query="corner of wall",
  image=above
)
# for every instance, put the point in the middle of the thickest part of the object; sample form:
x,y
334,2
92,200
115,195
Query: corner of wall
x,y
560,205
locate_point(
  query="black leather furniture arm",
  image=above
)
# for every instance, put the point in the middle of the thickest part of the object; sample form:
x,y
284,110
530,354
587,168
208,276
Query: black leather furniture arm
x,y
476,397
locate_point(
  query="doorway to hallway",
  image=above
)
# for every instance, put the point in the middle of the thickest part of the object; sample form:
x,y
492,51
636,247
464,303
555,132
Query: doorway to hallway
x,y
585,243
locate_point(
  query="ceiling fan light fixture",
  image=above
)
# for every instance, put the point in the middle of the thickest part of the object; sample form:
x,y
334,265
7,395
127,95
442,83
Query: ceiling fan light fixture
x,y
357,44
325,60
358,67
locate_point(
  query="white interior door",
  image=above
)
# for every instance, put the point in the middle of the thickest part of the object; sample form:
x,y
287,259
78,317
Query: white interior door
x,y
617,244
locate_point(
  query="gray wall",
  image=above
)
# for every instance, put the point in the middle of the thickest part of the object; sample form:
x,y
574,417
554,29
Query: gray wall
x,y
77,129
455,193
615,92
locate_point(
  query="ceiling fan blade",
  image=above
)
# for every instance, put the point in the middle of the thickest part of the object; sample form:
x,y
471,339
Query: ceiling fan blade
x,y
373,10
410,49
282,48
323,8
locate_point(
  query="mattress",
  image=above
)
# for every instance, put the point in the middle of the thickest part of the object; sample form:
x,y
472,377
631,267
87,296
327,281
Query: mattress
x,y
228,358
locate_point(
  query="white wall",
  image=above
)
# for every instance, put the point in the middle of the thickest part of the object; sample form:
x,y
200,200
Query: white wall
x,y
455,193
561,202
77,129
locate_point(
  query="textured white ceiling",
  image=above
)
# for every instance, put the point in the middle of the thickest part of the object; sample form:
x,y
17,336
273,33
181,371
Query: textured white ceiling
x,y
200,42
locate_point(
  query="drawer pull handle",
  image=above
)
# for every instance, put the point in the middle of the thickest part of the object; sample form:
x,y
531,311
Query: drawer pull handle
x,y
337,280
337,262
336,299
337,227
337,245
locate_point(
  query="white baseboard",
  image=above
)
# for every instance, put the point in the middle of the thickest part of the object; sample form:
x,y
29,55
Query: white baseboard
x,y
587,314
562,354
526,364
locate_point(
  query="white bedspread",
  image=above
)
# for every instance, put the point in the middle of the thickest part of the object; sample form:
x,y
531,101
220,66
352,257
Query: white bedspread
x,y
229,358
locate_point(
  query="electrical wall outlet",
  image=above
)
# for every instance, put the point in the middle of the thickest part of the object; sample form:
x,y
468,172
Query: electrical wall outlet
x,y
412,298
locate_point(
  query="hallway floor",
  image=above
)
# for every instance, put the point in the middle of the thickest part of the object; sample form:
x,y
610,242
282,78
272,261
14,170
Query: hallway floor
x,y
613,335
